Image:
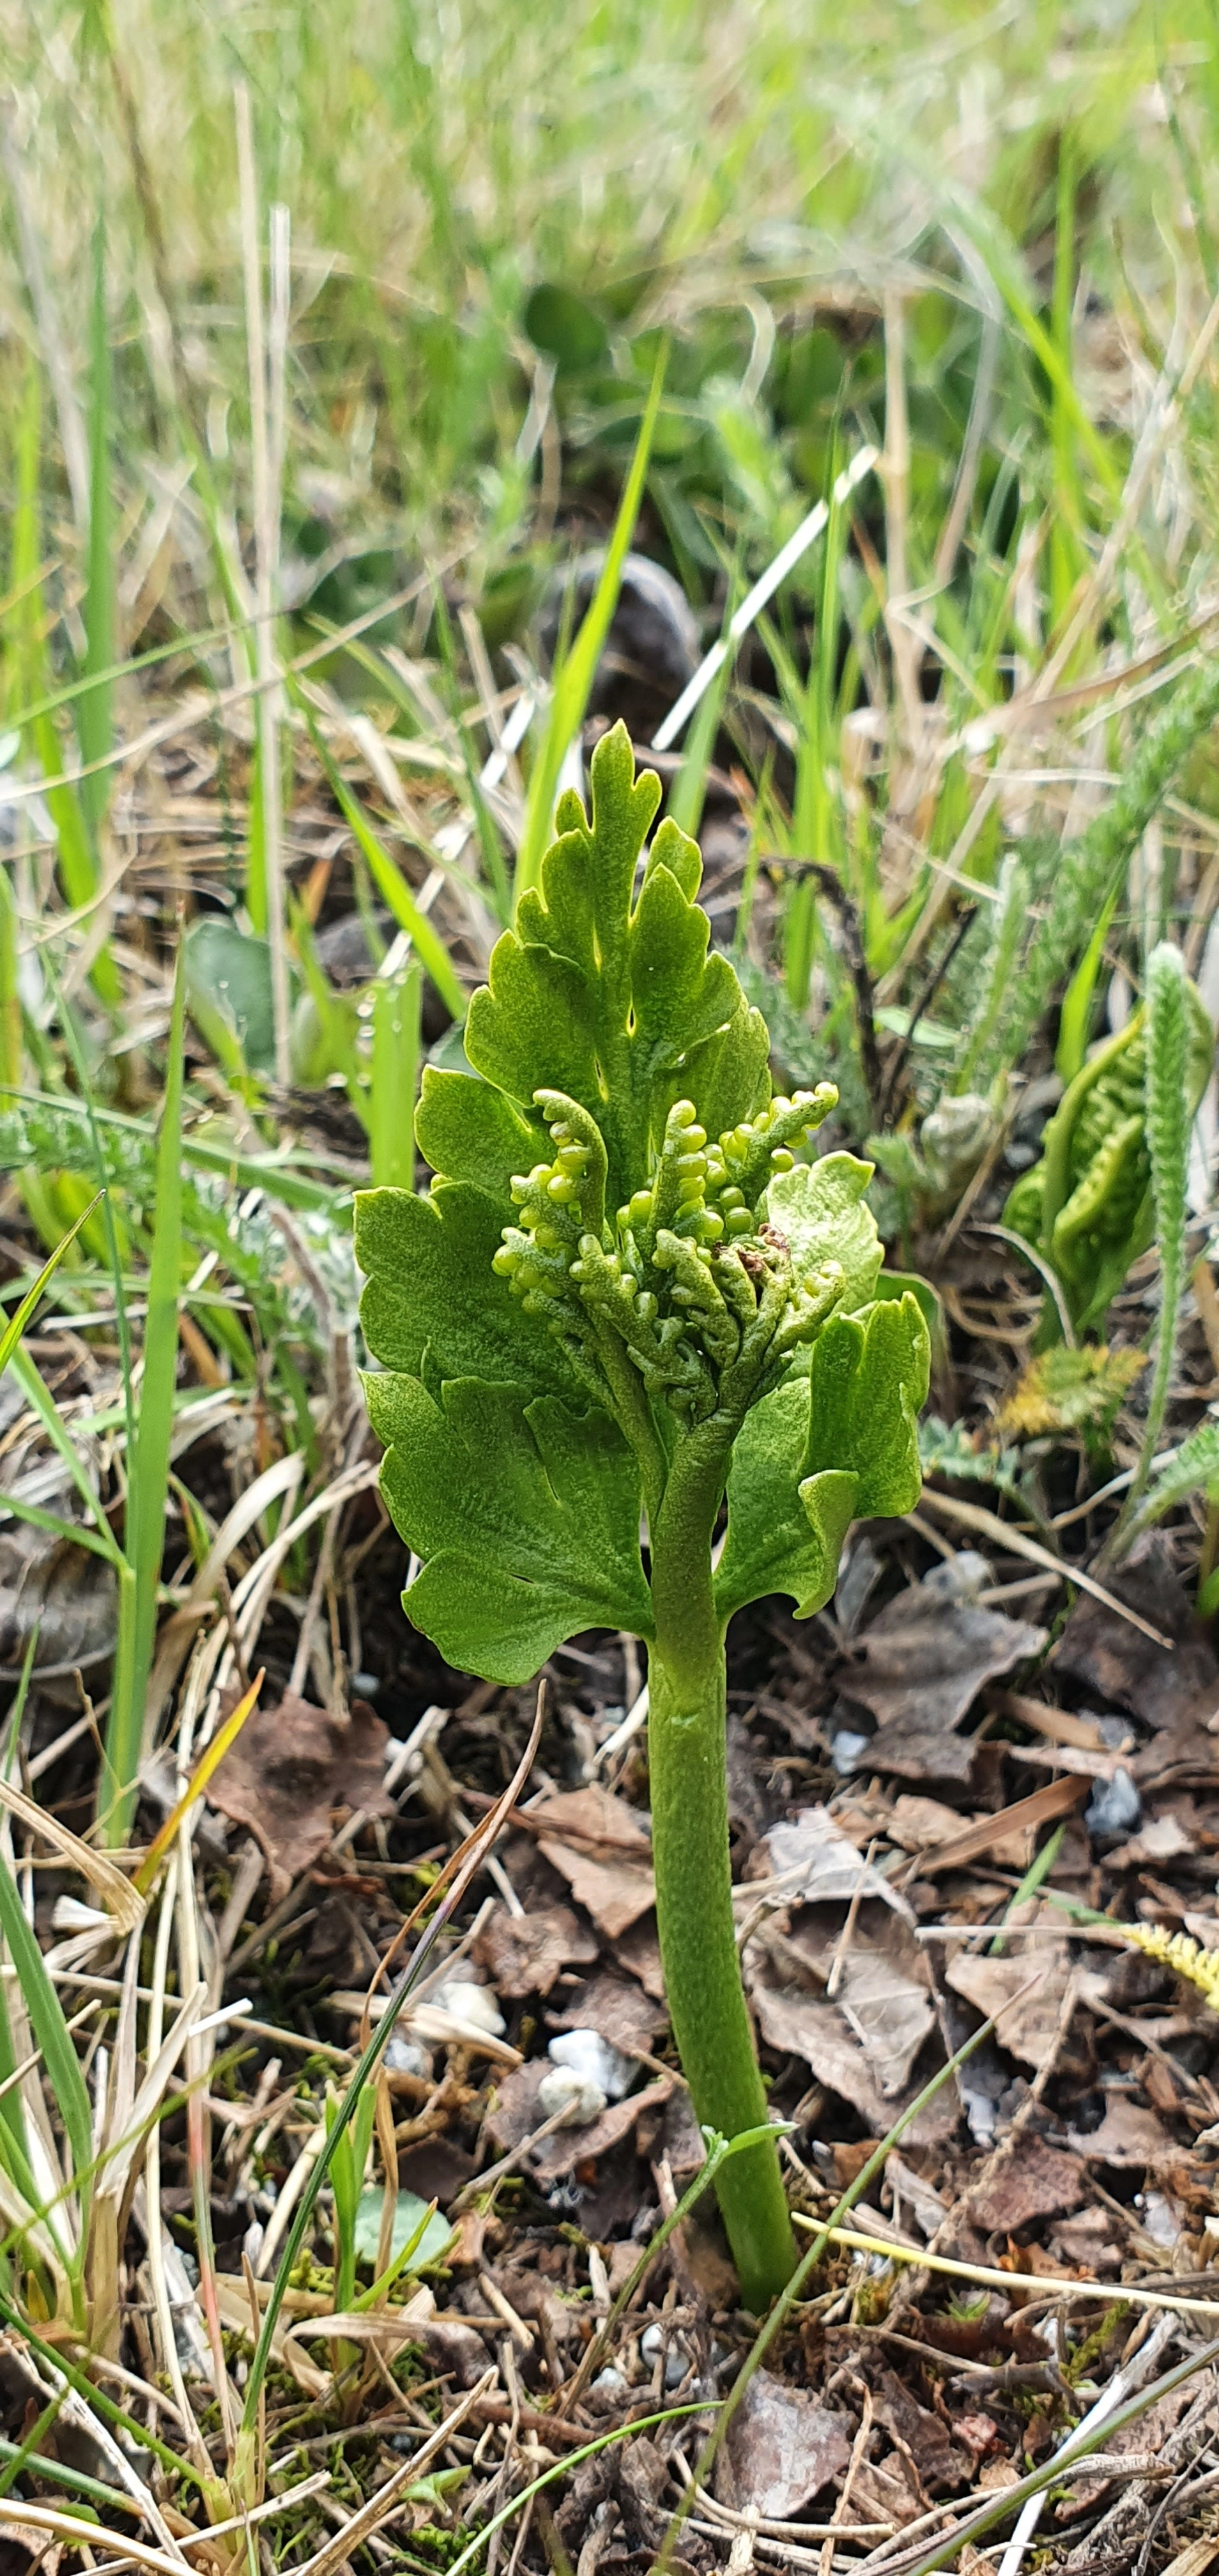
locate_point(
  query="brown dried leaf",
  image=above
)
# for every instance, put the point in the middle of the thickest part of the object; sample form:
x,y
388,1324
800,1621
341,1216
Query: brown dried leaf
x,y
890,2012
938,2462
638,1952
819,1865
884,2491
517,2114
883,1988
65,1592
782,2449
290,1768
1161,1839
1087,2244
803,2027
603,1849
1128,2136
1026,2022
1146,2436
923,1824
523,1954
1034,2181
923,1662
1010,1837
622,2013
1166,1687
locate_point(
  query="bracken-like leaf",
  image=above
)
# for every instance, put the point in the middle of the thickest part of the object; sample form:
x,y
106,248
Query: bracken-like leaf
x,y
526,1517
774,1542
616,1003
869,1382
431,1289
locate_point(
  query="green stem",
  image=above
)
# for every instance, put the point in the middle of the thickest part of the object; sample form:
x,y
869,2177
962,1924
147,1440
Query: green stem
x,y
687,1762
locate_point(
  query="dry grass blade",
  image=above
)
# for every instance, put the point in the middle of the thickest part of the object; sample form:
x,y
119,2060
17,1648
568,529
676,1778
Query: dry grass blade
x,y
973,1516
121,1900
1137,2293
379,2507
84,2535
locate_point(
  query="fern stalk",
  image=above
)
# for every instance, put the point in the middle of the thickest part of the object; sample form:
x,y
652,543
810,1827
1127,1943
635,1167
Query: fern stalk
x,y
1168,1130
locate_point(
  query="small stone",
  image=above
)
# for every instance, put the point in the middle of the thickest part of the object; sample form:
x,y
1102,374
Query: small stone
x,y
475,2005
609,2378
847,1750
567,2095
596,2060
1114,1809
406,2057
652,2342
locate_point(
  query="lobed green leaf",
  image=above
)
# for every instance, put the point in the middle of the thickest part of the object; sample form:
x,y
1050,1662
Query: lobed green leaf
x,y
820,1208
838,1445
869,1381
774,1542
526,1517
617,1002
431,1289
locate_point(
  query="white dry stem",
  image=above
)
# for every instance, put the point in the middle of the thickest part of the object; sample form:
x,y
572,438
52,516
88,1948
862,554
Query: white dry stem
x,y
280,1479
755,600
1113,2394
201,2043
187,2317
116,1892
289,2195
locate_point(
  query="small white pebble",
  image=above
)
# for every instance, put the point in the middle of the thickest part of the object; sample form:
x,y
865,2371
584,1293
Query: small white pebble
x,y
609,2378
406,2057
596,2059
566,2090
475,2005
651,2343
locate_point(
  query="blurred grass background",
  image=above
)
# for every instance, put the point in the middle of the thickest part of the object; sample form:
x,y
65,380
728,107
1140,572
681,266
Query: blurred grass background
x,y
324,323
750,178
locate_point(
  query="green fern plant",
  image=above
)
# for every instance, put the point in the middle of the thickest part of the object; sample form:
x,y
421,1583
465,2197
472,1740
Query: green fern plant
x,y
625,1294
1088,872
1090,1206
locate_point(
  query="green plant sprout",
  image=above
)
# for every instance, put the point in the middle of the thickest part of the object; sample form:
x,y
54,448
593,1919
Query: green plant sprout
x,y
1088,1206
624,1294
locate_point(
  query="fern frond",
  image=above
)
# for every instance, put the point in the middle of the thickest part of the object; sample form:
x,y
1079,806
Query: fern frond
x,y
1193,1469
982,1050
1090,868
1168,1119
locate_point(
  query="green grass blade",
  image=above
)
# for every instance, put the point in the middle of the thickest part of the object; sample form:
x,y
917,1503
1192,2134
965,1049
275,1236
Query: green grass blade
x,y
74,1532
391,884
16,1324
814,820
395,1078
10,989
689,789
47,2023
1076,1014
573,682
1066,553
77,858
148,1465
95,710
38,1395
